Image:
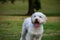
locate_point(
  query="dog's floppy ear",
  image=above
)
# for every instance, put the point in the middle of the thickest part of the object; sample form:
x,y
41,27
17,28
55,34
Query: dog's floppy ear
x,y
45,19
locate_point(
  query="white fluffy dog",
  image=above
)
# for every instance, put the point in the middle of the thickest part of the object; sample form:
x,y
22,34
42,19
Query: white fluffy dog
x,y
33,27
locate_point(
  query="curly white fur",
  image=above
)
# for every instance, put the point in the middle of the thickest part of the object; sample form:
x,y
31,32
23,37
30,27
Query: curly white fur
x,y
29,32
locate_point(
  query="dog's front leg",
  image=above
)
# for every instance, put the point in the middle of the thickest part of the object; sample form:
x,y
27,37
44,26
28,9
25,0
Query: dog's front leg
x,y
24,32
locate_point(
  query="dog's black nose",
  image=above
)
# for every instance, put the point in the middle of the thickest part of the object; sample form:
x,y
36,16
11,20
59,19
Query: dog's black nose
x,y
36,19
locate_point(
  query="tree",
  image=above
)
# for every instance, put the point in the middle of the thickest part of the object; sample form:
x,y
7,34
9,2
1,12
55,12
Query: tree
x,y
37,5
30,7
33,4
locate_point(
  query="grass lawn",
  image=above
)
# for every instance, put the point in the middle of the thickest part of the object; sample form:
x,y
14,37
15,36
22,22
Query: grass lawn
x,y
49,7
10,28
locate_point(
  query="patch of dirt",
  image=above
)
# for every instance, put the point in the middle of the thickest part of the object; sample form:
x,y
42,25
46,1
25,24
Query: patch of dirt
x,y
18,18
12,18
53,19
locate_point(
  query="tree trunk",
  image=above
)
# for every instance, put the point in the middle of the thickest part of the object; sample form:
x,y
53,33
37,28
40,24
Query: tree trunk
x,y
30,7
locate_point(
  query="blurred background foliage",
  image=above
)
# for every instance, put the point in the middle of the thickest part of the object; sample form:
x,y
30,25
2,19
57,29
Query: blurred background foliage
x,y
21,7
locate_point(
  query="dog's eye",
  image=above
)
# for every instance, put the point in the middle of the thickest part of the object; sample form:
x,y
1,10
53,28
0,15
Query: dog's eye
x,y
40,16
34,16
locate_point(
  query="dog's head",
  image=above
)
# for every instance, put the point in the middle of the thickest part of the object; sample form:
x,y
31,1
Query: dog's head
x,y
38,18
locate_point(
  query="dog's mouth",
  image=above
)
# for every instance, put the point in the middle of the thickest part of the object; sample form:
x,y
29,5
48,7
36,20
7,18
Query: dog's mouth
x,y
36,24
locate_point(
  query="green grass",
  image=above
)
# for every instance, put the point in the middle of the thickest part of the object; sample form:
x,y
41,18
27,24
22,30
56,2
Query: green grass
x,y
10,30
12,9
51,37
49,7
